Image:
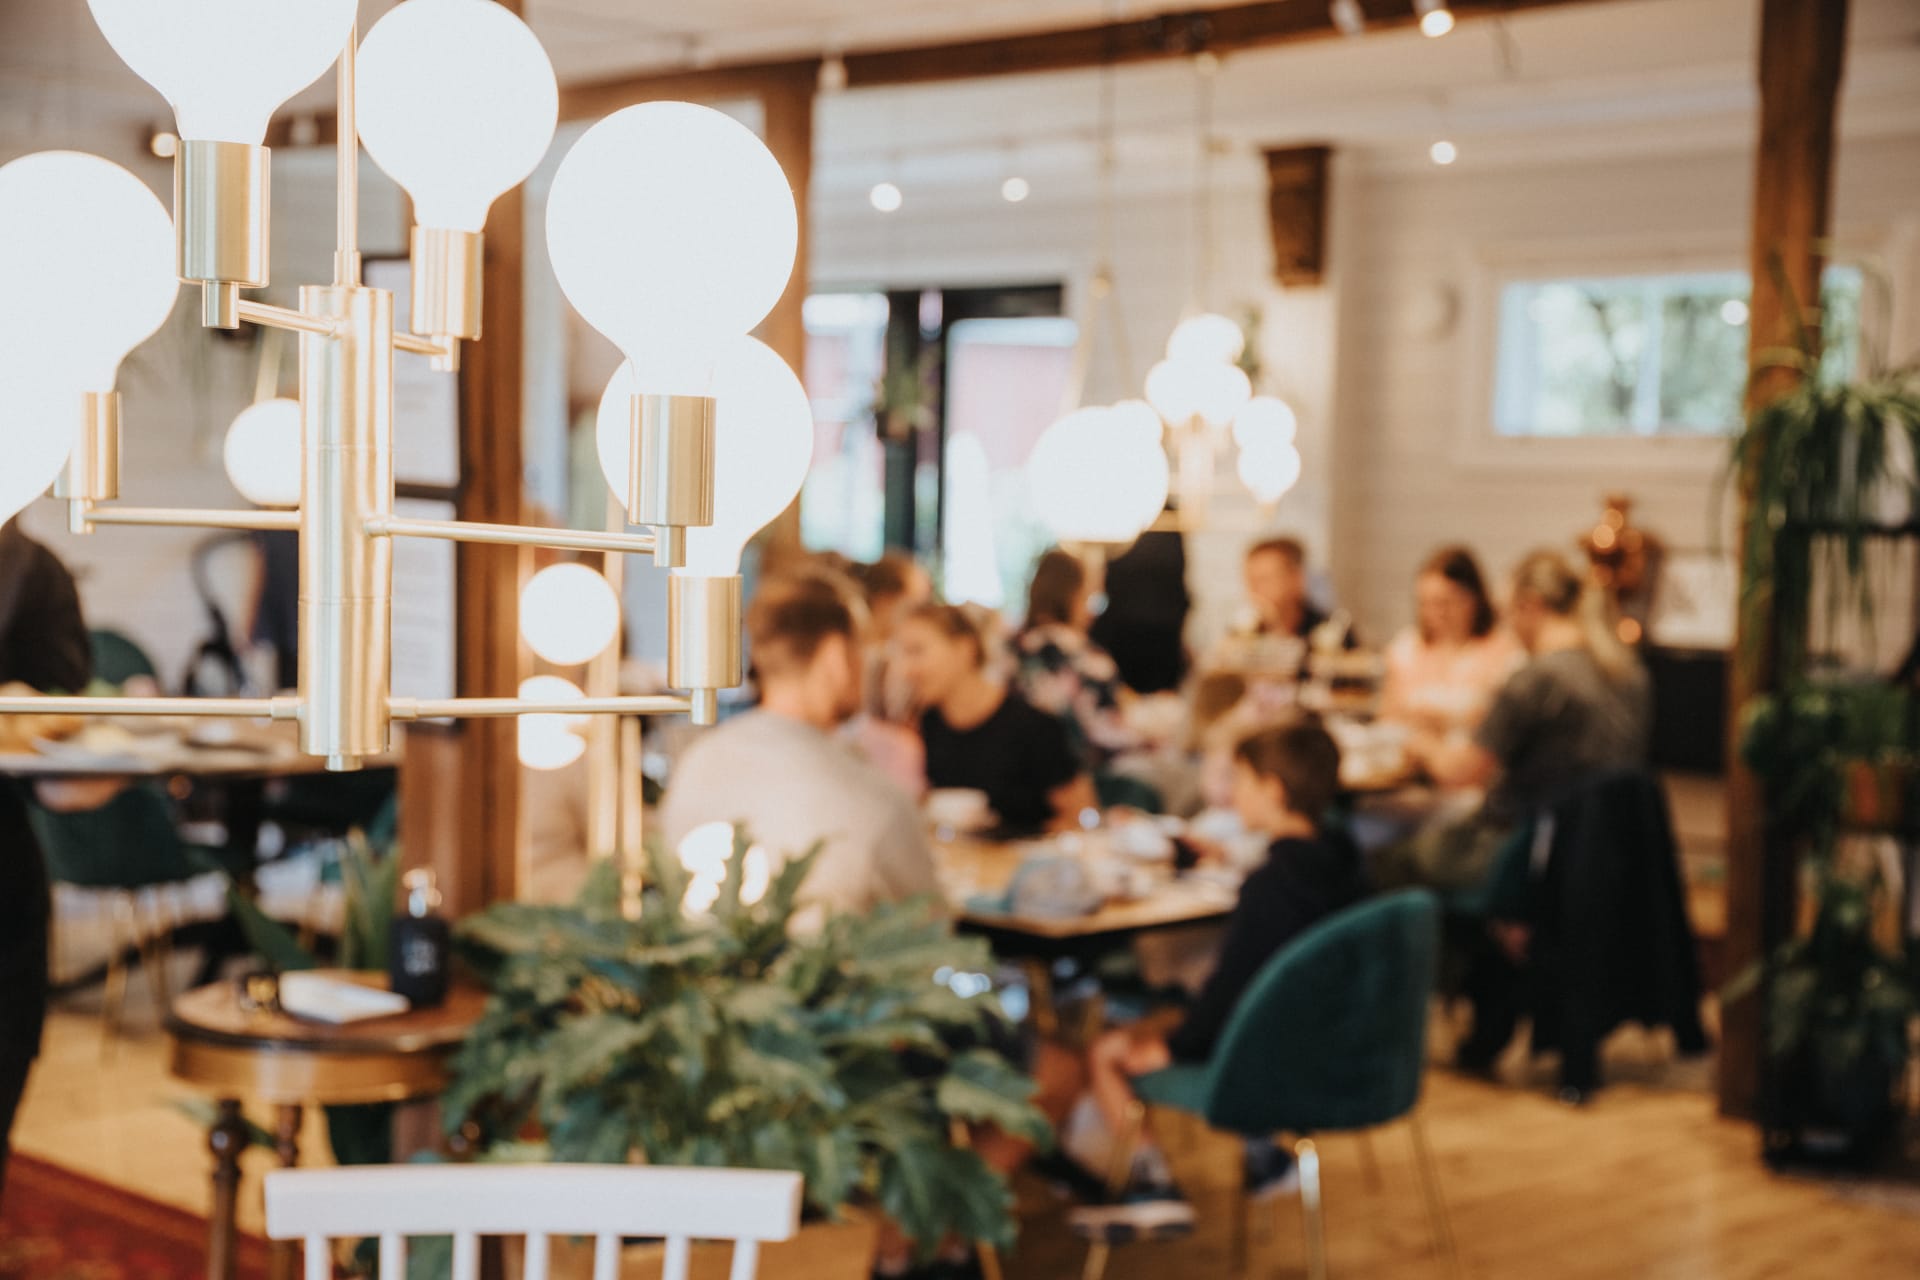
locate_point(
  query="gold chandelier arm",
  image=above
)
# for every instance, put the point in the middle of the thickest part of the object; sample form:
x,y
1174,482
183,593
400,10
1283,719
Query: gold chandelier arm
x,y
472,708
273,317
226,708
420,346
509,535
188,517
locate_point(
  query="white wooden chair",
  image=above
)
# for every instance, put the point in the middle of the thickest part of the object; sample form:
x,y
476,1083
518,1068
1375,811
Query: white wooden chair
x,y
606,1202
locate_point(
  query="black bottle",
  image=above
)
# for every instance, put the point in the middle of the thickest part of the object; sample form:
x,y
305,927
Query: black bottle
x,y
417,954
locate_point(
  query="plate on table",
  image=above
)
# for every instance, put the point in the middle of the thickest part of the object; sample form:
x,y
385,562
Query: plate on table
x,y
318,998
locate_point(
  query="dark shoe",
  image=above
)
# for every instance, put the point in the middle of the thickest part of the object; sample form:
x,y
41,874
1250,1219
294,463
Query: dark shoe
x,y
1270,1172
1144,1213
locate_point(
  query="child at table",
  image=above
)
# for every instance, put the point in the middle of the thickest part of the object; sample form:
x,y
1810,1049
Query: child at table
x,y
1284,781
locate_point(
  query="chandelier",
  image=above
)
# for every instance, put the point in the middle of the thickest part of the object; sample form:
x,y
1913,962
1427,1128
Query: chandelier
x,y
670,227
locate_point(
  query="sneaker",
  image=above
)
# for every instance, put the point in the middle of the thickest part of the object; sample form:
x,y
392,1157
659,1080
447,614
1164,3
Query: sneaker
x,y
1270,1172
1145,1213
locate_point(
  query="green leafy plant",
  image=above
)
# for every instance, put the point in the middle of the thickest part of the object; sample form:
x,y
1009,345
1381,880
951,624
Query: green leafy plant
x,y
727,1038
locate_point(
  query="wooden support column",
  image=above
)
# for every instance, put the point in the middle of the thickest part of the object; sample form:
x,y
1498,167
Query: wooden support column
x,y
787,105
460,787
1802,52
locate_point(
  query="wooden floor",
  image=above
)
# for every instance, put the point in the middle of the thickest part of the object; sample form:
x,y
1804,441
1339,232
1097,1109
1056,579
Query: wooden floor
x,y
1644,1182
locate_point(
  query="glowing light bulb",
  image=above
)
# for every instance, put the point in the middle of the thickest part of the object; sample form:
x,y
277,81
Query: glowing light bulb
x,y
1443,152
1264,420
1142,418
763,444
886,197
225,64
671,230
457,103
548,740
86,250
1206,338
1183,390
1269,470
1093,478
1734,312
39,425
569,614
262,453
1436,21
705,852
1015,189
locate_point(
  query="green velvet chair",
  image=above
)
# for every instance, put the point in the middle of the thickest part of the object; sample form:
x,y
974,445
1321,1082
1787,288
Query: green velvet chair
x,y
1332,1036
126,845
117,658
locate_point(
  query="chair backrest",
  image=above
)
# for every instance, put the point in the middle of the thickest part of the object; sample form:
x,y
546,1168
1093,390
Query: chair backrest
x,y
1333,1032
117,657
127,843
605,1202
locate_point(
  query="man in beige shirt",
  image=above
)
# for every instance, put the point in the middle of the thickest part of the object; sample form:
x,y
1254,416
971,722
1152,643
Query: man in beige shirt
x,y
783,772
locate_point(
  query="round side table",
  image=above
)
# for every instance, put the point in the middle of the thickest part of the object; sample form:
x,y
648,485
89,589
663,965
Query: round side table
x,y
234,1052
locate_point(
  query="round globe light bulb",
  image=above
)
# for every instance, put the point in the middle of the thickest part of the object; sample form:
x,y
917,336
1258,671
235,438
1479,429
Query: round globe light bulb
x,y
39,425
569,614
705,852
547,740
1264,420
1205,338
886,197
1443,152
1435,23
262,453
671,230
457,104
1141,418
1183,390
1093,479
86,250
225,64
1015,189
763,445
1269,471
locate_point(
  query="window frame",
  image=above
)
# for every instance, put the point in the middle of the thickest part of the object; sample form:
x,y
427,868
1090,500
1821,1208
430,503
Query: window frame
x,y
1486,270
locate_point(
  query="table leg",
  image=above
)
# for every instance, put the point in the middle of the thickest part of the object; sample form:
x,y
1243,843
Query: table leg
x,y
283,1262
226,1139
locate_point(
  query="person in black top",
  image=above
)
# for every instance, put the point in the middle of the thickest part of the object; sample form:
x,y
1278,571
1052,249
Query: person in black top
x,y
43,644
981,735
1145,621
1285,779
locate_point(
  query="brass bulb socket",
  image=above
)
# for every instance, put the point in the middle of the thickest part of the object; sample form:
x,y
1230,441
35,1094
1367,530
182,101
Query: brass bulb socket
x,y
704,616
92,473
445,301
670,478
220,210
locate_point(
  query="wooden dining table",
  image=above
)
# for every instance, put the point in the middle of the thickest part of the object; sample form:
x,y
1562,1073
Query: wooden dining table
x,y
159,750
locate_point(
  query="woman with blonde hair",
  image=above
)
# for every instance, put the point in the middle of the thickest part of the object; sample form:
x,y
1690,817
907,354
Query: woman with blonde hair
x,y
1580,706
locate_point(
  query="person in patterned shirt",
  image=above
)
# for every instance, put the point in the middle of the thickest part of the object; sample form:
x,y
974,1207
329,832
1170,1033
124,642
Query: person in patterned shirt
x,y
1060,670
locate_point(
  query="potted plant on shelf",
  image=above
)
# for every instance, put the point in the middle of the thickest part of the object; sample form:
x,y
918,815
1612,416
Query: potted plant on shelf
x,y
723,1037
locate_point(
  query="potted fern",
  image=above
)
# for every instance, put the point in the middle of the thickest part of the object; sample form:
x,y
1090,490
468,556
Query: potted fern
x,y
723,1038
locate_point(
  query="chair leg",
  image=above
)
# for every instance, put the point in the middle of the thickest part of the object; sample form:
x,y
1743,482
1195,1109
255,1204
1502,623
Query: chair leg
x,y
1119,1168
1241,1208
115,997
150,931
1308,1155
1369,1160
1443,1241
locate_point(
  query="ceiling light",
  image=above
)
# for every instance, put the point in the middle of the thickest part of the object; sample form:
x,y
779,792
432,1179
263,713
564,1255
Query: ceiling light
x,y
1443,152
1734,312
1015,189
1435,18
1094,476
885,197
1347,17
569,614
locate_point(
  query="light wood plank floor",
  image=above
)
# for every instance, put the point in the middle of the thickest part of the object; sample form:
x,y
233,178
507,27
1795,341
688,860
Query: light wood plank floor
x,y
1645,1182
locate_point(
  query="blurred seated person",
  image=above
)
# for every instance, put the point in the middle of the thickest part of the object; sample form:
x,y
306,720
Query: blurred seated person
x,y
43,647
1579,706
983,736
1285,779
1144,624
781,771
1063,672
1279,596
885,732
1443,672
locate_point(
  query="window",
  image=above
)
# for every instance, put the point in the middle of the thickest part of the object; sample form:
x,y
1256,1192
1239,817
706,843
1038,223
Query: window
x,y
842,507
1639,355
1006,378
